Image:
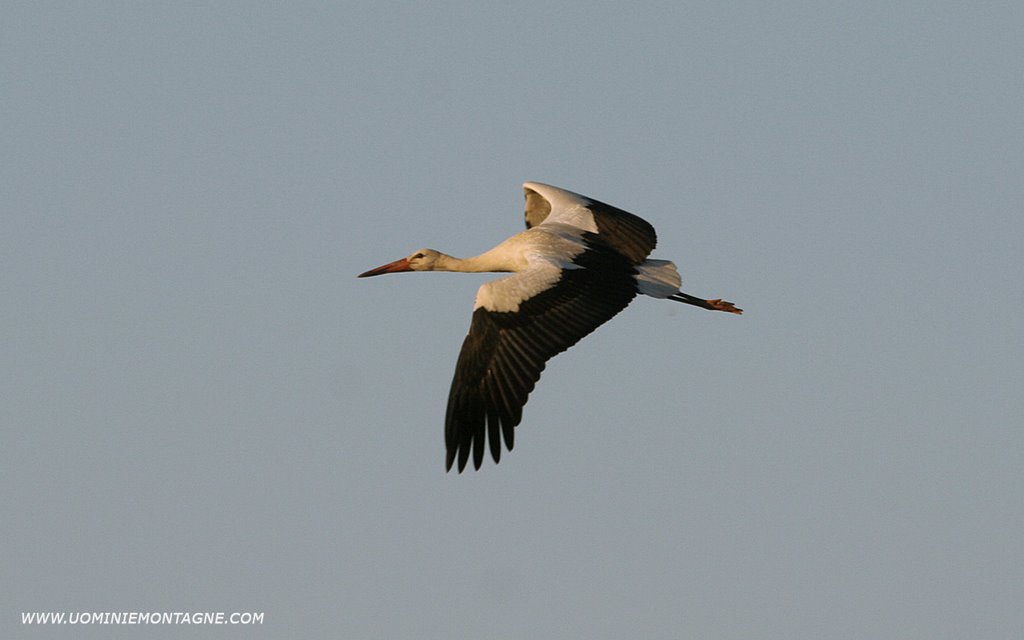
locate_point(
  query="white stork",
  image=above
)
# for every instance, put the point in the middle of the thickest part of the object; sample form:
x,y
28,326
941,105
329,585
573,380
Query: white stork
x,y
578,263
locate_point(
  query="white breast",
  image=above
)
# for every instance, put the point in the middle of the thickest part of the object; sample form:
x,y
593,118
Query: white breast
x,y
542,253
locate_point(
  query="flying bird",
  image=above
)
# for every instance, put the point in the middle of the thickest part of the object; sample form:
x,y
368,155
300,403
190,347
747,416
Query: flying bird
x,y
578,263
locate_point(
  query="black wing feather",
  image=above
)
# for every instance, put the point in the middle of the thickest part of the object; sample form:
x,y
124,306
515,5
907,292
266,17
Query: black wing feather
x,y
505,352
627,233
630,235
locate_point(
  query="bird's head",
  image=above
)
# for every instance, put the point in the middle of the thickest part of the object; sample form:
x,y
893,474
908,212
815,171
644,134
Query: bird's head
x,y
421,260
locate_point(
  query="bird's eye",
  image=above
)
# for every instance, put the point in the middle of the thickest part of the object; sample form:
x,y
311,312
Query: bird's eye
x,y
418,256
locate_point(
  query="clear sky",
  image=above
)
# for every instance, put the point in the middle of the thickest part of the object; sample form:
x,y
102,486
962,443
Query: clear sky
x,y
204,410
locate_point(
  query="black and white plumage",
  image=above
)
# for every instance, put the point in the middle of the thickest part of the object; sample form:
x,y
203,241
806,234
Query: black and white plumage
x,y
578,263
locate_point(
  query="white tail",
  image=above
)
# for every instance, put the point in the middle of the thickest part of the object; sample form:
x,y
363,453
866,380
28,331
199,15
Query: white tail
x,y
658,278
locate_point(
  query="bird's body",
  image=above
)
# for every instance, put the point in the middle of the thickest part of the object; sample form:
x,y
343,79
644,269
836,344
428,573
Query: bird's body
x,y
578,263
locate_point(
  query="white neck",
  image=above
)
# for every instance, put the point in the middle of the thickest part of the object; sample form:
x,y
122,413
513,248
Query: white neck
x,y
489,261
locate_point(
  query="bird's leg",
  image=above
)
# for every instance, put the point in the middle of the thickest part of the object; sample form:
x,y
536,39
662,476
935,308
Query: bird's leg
x,y
713,305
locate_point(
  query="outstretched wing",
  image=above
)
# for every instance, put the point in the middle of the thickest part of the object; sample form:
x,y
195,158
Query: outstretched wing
x,y
627,234
521,322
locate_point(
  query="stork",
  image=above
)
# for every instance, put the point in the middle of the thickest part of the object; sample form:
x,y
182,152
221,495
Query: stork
x,y
578,263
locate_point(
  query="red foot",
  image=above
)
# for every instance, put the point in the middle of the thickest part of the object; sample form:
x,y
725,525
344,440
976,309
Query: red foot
x,y
722,305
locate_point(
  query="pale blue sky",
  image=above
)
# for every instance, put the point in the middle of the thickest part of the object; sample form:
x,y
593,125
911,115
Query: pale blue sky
x,y
203,408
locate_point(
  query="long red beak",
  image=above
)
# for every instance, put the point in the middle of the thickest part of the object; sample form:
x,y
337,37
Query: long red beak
x,y
392,267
